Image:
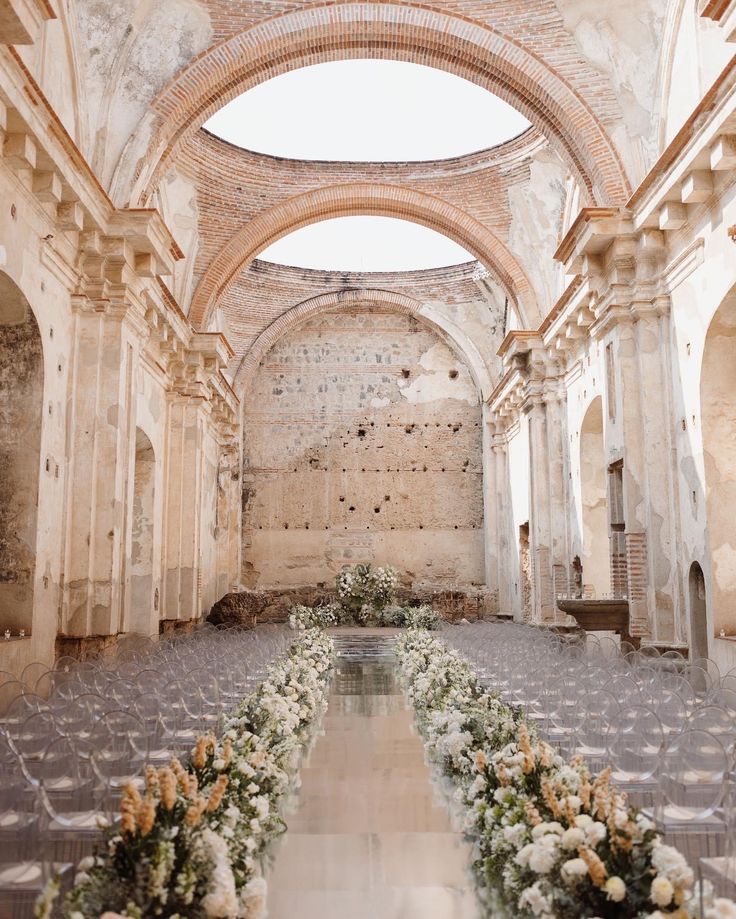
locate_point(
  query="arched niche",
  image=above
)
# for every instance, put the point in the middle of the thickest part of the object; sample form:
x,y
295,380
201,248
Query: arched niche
x,y
698,610
596,570
21,412
142,612
718,412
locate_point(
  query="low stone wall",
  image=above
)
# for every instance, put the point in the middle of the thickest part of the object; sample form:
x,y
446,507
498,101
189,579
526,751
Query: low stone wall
x,y
84,648
248,607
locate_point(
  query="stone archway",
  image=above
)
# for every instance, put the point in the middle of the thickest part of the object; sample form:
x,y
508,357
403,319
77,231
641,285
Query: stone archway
x,y
21,413
363,199
142,612
396,31
595,558
718,413
378,299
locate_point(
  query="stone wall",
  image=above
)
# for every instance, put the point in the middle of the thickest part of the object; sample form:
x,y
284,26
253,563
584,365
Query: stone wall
x,y
362,443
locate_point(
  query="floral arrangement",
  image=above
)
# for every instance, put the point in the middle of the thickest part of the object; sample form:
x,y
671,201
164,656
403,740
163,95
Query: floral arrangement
x,y
423,617
551,839
393,615
188,843
365,591
314,617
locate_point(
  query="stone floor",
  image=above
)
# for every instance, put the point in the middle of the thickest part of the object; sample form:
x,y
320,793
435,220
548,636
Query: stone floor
x,y
369,839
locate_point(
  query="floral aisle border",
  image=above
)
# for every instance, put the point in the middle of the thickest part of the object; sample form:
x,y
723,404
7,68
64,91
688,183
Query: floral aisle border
x,y
550,839
188,846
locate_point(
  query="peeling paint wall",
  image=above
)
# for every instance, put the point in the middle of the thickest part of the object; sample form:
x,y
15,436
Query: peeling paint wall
x,y
362,443
130,50
622,41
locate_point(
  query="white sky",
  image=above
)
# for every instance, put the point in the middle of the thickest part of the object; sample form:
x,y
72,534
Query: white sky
x,y
366,110
366,244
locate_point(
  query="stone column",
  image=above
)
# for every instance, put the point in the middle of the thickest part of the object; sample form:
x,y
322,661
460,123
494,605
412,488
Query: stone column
x,y
491,520
648,481
181,586
557,452
101,412
503,524
540,540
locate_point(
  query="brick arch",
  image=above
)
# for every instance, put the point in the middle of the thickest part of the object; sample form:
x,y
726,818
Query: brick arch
x,y
362,199
385,300
389,30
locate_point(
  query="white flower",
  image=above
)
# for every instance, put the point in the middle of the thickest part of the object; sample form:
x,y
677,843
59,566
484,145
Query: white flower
x,y
615,889
534,899
573,869
662,891
572,838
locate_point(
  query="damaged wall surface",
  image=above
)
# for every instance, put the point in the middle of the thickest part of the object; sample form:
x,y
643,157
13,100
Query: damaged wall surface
x,y
363,444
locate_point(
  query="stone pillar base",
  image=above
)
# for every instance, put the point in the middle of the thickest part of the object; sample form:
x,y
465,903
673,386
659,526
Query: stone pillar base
x,y
84,648
169,626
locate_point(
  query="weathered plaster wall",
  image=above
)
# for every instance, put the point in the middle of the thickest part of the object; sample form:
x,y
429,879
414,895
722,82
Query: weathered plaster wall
x,y
620,40
21,414
362,443
43,288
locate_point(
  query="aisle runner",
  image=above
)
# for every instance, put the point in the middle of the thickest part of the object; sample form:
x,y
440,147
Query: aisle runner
x,y
368,840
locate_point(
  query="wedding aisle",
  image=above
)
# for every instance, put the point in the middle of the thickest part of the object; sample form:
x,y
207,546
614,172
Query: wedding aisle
x,y
368,839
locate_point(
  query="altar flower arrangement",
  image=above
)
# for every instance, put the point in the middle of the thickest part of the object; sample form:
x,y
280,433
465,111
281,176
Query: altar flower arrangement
x,y
365,591
551,839
423,617
188,843
314,617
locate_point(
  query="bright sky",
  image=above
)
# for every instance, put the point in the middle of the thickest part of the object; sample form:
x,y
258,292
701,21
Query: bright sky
x,y
366,244
406,112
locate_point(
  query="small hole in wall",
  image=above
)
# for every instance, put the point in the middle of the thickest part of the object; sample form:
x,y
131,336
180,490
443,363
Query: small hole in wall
x,y
376,510
421,526
351,508
51,332
45,582
361,432
56,471
452,374
342,497
286,526
405,373
409,428
695,499
684,425
387,497
13,211
48,466
306,526
688,348
51,409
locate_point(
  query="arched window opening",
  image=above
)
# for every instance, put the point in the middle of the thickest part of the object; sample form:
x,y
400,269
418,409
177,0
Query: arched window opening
x,y
21,411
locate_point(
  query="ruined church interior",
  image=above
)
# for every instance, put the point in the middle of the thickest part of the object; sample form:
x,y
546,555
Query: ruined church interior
x,y
367,459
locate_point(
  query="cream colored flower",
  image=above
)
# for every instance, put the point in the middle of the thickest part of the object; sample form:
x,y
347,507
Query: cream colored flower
x,y
615,889
662,891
